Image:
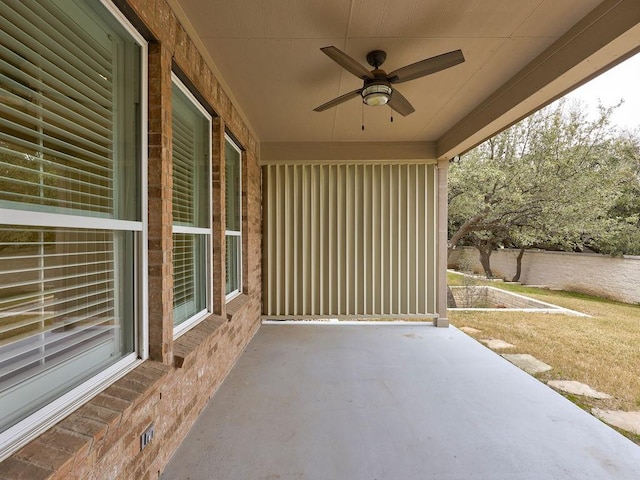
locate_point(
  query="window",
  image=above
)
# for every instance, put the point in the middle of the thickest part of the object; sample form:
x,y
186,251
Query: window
x,y
233,229
191,126
71,209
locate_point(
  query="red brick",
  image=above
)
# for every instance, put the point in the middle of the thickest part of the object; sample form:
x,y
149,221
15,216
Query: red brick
x,y
46,456
99,413
66,440
111,402
15,469
134,385
63,473
111,459
84,466
84,426
118,391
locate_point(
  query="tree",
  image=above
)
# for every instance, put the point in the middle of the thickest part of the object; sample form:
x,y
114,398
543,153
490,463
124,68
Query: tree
x,y
623,235
549,180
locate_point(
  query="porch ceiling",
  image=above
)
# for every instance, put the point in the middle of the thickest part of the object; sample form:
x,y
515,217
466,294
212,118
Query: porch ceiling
x,y
519,56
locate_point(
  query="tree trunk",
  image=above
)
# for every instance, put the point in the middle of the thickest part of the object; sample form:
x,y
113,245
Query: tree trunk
x,y
485,258
485,248
516,277
473,224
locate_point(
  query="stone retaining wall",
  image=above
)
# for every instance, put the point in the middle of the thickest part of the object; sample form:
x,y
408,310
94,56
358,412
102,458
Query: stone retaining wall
x,y
490,297
617,278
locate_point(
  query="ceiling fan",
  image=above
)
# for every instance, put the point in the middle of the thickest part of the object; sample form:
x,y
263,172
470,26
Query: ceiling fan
x,y
377,88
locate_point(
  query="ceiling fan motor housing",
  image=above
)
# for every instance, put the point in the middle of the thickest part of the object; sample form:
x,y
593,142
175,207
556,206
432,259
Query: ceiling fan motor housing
x,y
376,58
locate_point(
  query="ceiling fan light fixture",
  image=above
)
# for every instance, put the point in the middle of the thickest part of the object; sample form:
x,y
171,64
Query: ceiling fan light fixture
x,y
376,94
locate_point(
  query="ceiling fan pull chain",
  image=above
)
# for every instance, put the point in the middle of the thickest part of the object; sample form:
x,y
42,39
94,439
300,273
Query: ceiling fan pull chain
x,y
363,116
391,113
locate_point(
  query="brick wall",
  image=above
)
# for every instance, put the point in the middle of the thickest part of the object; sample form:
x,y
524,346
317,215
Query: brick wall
x,y
101,439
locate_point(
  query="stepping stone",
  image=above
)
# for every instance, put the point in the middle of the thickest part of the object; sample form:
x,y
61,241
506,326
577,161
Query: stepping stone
x,y
496,344
577,388
528,363
629,421
470,330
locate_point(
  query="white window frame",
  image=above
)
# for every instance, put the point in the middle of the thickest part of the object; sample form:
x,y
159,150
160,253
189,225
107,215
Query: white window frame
x,y
235,233
18,435
198,317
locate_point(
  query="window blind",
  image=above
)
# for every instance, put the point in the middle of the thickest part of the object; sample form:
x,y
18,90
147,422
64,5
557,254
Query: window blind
x,y
69,144
191,131
183,171
184,258
57,111
233,202
56,294
233,191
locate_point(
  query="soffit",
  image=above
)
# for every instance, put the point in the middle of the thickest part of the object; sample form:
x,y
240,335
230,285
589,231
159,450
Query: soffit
x,y
268,54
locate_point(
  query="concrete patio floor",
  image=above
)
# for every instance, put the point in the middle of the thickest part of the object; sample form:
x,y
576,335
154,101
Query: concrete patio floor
x,y
402,401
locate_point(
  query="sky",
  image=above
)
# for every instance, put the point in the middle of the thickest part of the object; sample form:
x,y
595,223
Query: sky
x,y
620,82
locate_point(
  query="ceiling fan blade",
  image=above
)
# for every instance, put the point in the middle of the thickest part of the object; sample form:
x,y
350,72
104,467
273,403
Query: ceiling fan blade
x,y
400,104
338,101
426,67
346,62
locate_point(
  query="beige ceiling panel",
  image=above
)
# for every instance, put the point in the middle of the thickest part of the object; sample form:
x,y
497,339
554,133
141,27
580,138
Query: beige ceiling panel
x,y
278,98
555,17
268,19
378,127
439,18
493,68
389,18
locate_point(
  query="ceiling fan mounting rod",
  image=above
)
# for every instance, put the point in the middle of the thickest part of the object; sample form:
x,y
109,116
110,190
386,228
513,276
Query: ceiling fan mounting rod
x,y
375,58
